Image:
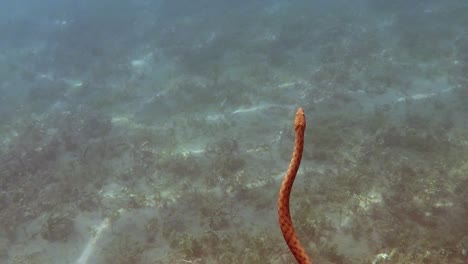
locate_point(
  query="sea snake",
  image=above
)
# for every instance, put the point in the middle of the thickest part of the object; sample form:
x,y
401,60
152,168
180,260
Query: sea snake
x,y
283,199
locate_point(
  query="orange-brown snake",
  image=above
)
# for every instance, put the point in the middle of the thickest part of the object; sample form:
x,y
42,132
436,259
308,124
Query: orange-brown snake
x,y
284,215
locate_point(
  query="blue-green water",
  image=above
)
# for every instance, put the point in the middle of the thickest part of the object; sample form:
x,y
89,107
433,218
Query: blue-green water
x,y
159,131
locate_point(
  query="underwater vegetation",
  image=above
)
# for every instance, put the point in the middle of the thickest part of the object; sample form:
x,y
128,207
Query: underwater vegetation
x,y
124,250
57,228
396,201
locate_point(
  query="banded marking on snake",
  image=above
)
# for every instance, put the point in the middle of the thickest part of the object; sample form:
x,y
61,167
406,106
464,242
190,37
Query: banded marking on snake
x,y
284,214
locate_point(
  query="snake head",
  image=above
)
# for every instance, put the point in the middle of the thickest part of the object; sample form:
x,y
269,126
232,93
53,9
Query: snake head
x,y
300,121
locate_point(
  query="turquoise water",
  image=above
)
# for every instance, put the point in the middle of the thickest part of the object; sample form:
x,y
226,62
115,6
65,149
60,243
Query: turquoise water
x,y
159,131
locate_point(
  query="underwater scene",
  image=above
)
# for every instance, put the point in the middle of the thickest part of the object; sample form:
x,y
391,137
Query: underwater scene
x,y
159,131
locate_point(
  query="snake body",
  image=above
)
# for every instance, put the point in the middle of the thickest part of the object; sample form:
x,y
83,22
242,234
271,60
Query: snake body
x,y
284,214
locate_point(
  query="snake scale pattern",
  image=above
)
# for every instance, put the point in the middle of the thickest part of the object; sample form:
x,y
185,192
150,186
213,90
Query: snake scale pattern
x,y
284,214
